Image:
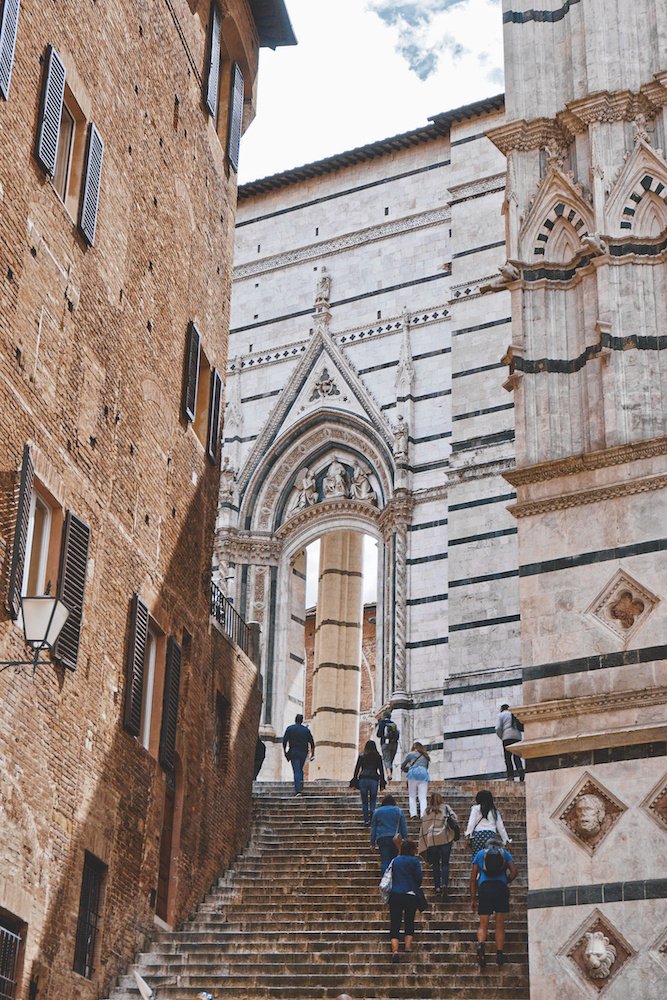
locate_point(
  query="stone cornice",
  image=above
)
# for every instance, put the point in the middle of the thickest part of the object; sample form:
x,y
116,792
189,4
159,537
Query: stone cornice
x,y
592,740
430,494
605,701
524,135
327,248
255,548
576,464
480,470
333,507
473,189
530,508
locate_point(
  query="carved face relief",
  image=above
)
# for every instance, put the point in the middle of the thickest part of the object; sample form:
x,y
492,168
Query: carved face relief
x,y
623,606
589,813
598,951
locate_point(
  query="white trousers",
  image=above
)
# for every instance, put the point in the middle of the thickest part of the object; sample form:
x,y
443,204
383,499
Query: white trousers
x,y
417,788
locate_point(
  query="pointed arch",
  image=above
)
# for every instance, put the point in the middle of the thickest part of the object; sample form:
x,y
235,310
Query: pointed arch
x,y
637,202
558,219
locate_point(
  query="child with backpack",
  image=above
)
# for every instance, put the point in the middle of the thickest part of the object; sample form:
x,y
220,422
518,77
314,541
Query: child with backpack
x,y
492,872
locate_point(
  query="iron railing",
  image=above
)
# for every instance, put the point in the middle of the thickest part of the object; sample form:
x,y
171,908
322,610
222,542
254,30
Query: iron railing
x,y
10,945
229,620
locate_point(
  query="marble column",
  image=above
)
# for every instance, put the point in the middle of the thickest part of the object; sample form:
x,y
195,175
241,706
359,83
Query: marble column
x,y
337,670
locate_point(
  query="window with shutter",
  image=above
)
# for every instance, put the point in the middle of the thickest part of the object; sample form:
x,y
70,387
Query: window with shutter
x,y
9,21
91,184
21,533
235,117
53,94
71,588
214,410
136,661
172,682
191,372
213,77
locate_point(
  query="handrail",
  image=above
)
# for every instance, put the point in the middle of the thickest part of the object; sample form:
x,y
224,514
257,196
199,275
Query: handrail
x,y
229,620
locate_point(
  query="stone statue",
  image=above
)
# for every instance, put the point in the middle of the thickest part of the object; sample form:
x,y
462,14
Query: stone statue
x,y
227,479
306,490
589,815
334,484
599,955
361,488
508,273
594,243
400,444
323,290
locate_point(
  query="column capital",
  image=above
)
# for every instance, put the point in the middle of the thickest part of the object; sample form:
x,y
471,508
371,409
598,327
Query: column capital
x,y
397,514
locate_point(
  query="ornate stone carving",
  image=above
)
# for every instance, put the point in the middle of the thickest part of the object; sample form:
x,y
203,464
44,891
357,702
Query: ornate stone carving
x,y
594,243
623,606
598,951
247,547
605,701
334,483
655,803
508,273
400,442
589,813
323,290
227,480
397,514
324,387
360,487
618,455
328,509
305,490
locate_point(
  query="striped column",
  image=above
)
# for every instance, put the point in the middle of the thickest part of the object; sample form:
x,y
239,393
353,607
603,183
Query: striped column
x,y
337,670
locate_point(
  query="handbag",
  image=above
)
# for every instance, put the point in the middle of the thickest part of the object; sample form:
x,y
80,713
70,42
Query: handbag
x,y
453,825
397,839
385,884
354,782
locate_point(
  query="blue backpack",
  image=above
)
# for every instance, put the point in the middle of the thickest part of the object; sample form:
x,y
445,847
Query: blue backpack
x,y
494,862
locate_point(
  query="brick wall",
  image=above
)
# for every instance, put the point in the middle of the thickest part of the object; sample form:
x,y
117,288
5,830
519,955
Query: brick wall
x,y
91,373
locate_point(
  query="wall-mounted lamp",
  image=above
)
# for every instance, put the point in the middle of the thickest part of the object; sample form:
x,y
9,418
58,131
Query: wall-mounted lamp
x,y
43,620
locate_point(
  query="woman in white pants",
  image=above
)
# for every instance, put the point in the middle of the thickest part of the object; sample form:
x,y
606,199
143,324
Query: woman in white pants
x,y
416,767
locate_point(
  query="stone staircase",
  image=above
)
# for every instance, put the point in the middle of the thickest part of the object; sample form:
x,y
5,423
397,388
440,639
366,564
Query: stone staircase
x,y
299,915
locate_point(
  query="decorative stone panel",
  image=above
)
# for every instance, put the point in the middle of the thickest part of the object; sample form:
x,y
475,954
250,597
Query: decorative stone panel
x,y
655,803
623,606
597,952
659,950
589,812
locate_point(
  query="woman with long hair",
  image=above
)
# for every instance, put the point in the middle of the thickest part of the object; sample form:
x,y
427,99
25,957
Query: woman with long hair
x,y
484,822
406,880
436,838
415,765
368,777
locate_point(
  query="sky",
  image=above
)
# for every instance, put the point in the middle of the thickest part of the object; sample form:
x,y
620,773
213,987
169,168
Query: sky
x,y
366,70
370,571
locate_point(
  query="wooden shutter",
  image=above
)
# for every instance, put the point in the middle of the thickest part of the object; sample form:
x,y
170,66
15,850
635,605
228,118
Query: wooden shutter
x,y
235,117
191,372
71,587
172,682
213,435
21,533
51,111
136,663
8,28
213,80
91,184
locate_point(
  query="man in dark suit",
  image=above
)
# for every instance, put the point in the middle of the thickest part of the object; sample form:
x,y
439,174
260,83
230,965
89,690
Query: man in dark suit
x,y
296,743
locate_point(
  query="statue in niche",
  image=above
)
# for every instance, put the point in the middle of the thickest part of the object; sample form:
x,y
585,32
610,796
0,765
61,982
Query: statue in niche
x,y
333,484
590,812
323,290
306,490
400,445
227,479
599,955
361,488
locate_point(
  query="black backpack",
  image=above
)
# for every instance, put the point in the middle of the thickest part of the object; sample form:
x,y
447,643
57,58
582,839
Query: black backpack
x,y
517,723
391,731
495,862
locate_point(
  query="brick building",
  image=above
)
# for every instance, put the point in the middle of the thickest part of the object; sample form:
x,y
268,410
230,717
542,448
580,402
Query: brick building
x,y
119,796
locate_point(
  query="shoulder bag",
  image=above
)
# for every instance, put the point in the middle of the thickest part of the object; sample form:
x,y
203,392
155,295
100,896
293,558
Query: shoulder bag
x,y
397,839
385,884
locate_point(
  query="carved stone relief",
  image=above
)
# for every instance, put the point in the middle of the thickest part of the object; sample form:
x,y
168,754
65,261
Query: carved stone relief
x,y
324,387
589,812
598,951
655,803
623,606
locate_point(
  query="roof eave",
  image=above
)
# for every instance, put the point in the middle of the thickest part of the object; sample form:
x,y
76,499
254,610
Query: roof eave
x,y
273,24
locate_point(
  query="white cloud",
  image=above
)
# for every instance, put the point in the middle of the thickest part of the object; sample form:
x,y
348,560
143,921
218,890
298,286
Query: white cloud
x,y
349,81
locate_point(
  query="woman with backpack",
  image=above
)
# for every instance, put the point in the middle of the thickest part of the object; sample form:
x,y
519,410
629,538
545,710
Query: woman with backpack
x,y
439,829
484,823
415,766
368,777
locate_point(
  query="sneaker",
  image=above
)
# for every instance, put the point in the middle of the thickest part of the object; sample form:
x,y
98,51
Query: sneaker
x,y
481,957
500,958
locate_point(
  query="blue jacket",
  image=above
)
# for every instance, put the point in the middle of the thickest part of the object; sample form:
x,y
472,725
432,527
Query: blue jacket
x,y
299,738
385,821
406,873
